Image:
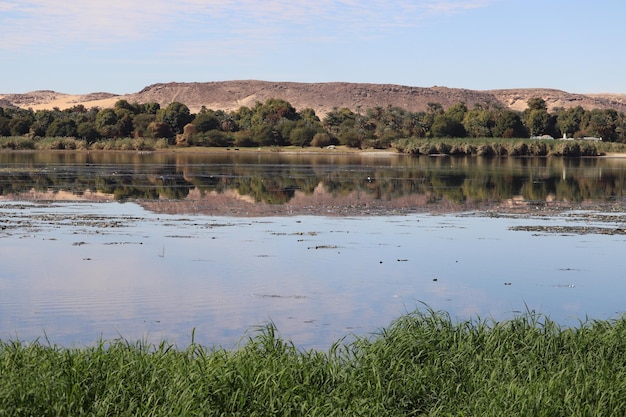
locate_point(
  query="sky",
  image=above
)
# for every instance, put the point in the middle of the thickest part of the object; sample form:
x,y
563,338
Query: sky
x,y
122,46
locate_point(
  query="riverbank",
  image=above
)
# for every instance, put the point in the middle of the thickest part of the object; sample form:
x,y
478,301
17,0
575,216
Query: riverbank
x,y
285,150
487,147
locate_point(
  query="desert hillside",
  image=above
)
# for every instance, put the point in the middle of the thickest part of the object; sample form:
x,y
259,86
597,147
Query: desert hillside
x,y
322,97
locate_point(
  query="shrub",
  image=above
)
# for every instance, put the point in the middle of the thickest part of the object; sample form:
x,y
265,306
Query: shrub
x,y
320,140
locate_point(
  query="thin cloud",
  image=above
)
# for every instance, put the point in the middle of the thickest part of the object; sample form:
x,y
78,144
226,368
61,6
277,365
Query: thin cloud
x,y
58,22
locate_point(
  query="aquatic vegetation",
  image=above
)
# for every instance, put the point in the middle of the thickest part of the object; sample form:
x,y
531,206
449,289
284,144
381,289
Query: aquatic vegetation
x,y
424,363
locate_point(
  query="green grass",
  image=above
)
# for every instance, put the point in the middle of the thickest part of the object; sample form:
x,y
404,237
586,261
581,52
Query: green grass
x,y
423,364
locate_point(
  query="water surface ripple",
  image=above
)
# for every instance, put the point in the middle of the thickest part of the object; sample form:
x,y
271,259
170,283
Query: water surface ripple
x,y
79,271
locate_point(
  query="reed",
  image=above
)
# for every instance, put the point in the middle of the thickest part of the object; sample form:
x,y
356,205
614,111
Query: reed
x,y
60,143
17,143
495,147
423,363
126,144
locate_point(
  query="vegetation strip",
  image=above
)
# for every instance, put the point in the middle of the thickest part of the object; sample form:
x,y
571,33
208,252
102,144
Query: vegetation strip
x,y
424,363
276,123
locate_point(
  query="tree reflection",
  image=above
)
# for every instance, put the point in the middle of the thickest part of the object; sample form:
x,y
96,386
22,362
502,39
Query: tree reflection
x,y
276,179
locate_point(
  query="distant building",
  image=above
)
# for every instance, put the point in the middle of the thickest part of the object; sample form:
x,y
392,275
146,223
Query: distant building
x,y
587,138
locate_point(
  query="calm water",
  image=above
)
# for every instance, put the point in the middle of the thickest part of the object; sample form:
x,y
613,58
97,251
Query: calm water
x,y
154,246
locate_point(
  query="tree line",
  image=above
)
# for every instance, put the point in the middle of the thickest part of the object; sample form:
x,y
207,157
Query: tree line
x,y
277,123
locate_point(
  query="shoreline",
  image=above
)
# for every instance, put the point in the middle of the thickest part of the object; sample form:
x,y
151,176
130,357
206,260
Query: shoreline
x,y
296,150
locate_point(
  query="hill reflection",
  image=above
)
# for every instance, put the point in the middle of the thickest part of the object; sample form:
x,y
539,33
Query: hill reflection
x,y
274,183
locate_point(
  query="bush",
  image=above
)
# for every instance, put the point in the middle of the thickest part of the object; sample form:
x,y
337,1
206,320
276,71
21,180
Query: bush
x,y
244,138
320,140
161,144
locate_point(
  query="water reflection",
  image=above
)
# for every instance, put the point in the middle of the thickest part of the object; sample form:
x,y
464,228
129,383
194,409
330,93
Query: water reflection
x,y
200,241
81,271
296,180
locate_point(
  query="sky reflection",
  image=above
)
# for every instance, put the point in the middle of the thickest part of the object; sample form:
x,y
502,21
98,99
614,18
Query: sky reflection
x,y
81,271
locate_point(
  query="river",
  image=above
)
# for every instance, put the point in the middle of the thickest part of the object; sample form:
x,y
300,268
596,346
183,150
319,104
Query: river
x,y
157,246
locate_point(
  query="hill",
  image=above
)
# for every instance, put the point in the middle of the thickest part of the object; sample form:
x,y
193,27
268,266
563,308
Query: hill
x,y
322,97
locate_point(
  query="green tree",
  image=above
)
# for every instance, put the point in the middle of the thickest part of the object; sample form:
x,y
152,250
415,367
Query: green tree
x,y
336,117
536,117
125,105
434,108
124,125
20,126
42,119
149,108
5,130
62,127
537,103
243,117
273,111
177,115
349,134
568,121
620,127
478,123
264,135
447,127
457,112
350,138
106,122
508,124
600,123
77,108
309,115
206,120
141,122
537,122
87,131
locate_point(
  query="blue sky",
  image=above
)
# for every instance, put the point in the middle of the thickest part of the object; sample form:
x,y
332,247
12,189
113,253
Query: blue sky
x,y
121,46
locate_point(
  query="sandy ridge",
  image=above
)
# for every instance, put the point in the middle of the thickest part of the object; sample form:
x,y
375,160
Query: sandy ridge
x,y
323,97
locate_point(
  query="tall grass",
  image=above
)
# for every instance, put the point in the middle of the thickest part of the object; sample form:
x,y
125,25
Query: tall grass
x,y
505,147
49,143
16,143
129,144
424,363
60,143
68,143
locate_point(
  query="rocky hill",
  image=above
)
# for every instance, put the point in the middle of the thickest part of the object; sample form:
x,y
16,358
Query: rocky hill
x,y
322,97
